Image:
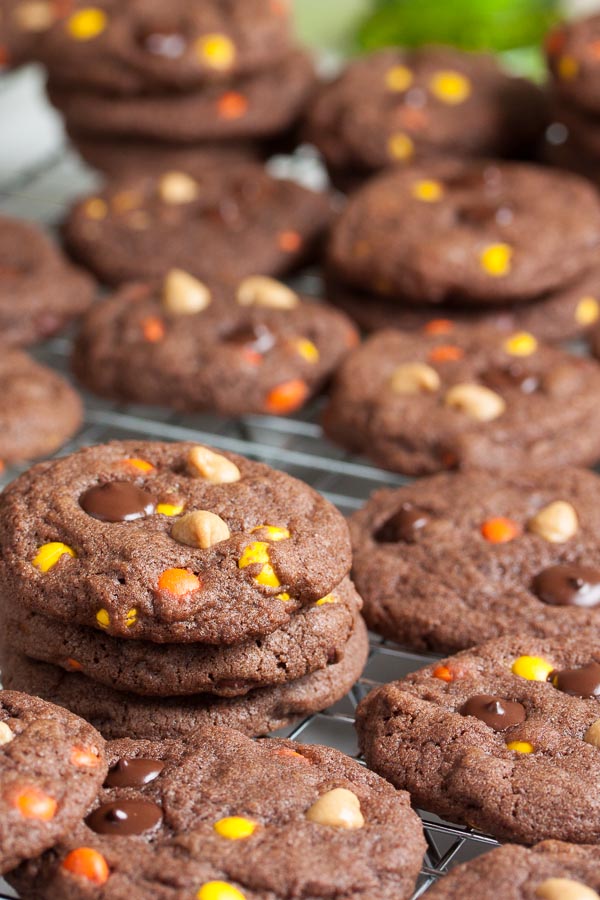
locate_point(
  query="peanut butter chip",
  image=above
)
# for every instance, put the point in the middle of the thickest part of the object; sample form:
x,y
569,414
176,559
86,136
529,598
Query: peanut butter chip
x,y
476,401
564,889
205,463
200,529
6,735
556,523
177,188
592,735
339,808
184,295
37,15
414,378
258,290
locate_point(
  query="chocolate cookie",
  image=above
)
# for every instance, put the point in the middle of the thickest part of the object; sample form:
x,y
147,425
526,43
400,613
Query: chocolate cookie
x,y
51,767
116,714
39,410
253,106
504,737
401,106
574,61
471,399
220,816
243,220
550,871
168,542
139,46
252,347
314,638
453,560
39,291
468,233
561,315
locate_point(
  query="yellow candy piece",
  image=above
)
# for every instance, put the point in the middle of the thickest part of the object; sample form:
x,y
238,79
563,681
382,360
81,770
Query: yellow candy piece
x,y
216,50
49,554
496,259
400,147
268,577
103,618
533,668
96,209
568,68
521,344
450,87
219,890
274,532
324,600
258,552
520,746
169,509
307,350
283,597
131,617
587,311
125,201
235,828
87,23
398,78
429,191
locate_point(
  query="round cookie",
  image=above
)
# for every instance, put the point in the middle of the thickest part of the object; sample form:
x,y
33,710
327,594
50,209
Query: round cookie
x,y
476,398
117,714
456,559
168,542
139,46
562,315
574,61
221,816
400,106
39,410
221,222
552,870
467,233
504,737
51,767
252,347
253,106
40,292
314,638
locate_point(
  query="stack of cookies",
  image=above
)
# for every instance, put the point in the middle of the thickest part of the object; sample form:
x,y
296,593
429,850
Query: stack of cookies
x,y
196,73
155,587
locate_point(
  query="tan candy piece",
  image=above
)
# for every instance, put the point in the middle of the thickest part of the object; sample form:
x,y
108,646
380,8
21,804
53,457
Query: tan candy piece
x,y
414,378
177,188
592,735
200,529
564,889
556,522
184,295
476,401
339,808
6,735
258,290
36,15
205,463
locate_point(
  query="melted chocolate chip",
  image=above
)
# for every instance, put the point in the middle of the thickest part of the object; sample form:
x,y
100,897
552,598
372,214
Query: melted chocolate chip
x,y
496,712
125,817
583,682
482,213
117,501
514,376
166,43
569,585
258,338
404,525
134,772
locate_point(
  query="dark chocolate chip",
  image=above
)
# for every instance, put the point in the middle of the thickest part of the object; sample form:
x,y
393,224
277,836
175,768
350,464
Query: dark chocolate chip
x,y
134,772
498,713
583,682
568,585
404,525
125,817
117,501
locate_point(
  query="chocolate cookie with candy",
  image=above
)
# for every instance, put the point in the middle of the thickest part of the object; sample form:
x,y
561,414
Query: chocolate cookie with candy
x,y
251,347
213,222
456,559
168,542
404,106
479,233
40,292
504,737
213,817
141,46
51,767
573,55
474,398
552,870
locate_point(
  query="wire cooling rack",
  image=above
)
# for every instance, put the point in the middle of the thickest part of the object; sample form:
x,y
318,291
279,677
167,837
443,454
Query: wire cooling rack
x,y
39,176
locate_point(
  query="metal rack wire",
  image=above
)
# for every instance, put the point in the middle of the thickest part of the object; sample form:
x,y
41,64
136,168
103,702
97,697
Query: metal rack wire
x,y
41,190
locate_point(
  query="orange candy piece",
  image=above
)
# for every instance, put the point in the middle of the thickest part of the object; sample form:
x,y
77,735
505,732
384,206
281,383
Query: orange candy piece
x,y
290,241
84,758
87,863
443,673
287,397
500,530
178,582
439,326
153,329
287,751
446,353
232,105
141,464
33,803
